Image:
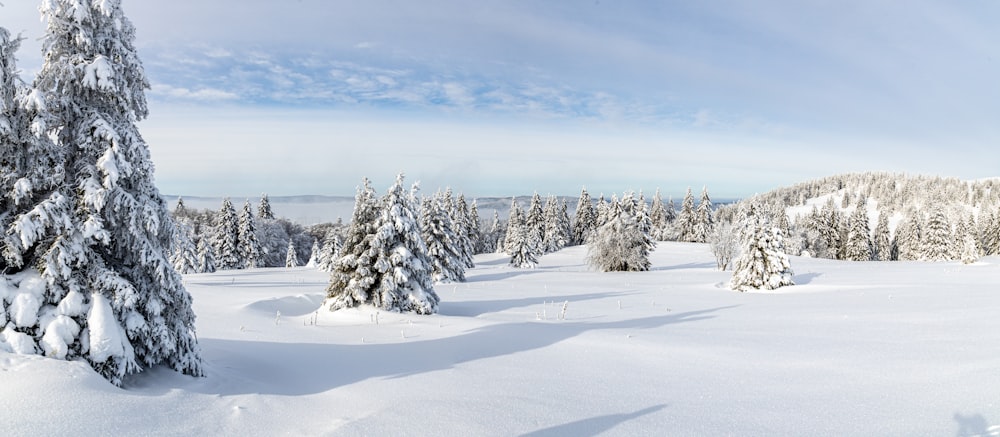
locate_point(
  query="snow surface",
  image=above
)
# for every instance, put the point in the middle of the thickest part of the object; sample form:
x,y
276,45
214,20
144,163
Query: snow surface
x,y
872,348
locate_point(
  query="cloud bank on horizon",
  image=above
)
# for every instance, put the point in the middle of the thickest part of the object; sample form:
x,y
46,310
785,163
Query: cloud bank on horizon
x,y
496,97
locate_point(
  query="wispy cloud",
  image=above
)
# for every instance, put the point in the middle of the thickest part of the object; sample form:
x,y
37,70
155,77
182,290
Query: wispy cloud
x,y
260,77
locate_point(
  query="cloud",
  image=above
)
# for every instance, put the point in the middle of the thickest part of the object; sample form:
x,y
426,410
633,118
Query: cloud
x,y
203,94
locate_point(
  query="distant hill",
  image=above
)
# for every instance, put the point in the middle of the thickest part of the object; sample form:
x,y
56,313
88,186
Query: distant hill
x,y
313,209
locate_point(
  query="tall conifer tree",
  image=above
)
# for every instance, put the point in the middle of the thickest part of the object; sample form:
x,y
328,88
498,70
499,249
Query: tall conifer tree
x,y
111,254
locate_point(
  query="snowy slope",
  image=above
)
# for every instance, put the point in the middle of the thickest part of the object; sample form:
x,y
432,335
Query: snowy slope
x,y
870,348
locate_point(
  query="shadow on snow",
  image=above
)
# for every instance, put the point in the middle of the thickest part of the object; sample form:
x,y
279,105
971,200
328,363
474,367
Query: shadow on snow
x,y
594,425
237,367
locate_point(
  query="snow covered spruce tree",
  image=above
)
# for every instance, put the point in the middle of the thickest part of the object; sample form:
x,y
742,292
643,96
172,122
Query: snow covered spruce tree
x,y
225,240
534,218
658,217
403,272
31,165
314,255
353,275
439,236
185,254
264,211
466,232
585,220
703,218
291,258
556,234
882,240
937,240
687,220
329,252
858,245
496,235
206,256
969,245
247,244
762,263
101,243
908,237
521,242
620,244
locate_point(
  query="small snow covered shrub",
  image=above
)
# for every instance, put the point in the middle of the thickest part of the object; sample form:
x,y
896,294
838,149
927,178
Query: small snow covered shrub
x,y
725,245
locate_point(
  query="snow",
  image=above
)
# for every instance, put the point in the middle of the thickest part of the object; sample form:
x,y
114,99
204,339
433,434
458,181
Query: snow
x,y
106,336
874,348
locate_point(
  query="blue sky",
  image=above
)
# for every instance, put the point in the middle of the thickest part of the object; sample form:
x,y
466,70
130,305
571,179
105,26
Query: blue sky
x,y
511,97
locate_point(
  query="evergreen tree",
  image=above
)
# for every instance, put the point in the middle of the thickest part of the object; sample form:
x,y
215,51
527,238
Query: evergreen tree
x,y
829,227
110,255
264,211
601,210
687,220
225,242
762,263
291,258
442,246
206,256
403,272
185,255
908,237
330,252
535,219
671,210
858,246
180,210
314,255
585,220
703,221
882,239
989,233
969,246
620,244
937,240
521,242
515,220
554,237
466,231
565,224
658,217
498,233
352,281
31,170
247,243
476,234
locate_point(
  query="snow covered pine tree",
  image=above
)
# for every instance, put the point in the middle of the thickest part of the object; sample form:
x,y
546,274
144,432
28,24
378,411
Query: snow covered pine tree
x,y
620,244
105,290
763,263
384,261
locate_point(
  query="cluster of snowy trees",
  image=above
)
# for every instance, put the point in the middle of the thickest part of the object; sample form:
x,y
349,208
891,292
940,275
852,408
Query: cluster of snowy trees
x,y
619,232
86,236
398,246
882,216
205,241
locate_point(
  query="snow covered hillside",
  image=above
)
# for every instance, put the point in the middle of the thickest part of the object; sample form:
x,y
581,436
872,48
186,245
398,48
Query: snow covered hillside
x,y
873,348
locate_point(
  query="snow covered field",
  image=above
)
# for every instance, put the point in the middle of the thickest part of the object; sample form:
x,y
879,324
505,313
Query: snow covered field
x,y
867,349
